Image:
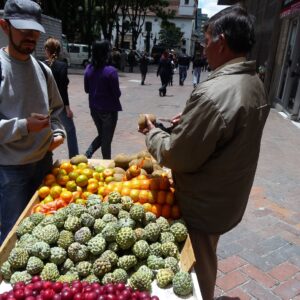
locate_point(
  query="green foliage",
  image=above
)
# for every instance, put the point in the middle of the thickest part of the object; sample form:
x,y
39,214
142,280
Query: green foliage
x,y
170,36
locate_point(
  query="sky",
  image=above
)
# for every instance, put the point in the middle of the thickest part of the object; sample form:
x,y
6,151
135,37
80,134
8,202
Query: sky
x,y
210,7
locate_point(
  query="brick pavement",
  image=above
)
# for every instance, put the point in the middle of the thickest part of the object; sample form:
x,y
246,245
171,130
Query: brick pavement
x,y
260,258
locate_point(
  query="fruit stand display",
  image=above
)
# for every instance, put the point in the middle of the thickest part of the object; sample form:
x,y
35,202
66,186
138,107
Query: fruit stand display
x,y
113,223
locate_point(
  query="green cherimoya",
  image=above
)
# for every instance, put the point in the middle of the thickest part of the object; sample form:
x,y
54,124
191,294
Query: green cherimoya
x,y
113,246
137,212
166,237
101,266
41,250
127,262
123,214
68,278
163,224
87,220
172,263
108,218
125,238
114,209
37,218
83,235
77,209
35,265
22,276
182,284
111,256
155,249
114,197
27,241
149,218
152,232
93,200
95,211
155,262
66,238
58,255
141,249
164,277
6,271
50,272
37,231
66,266
145,269
108,278
140,281
18,258
99,225
109,232
84,268
140,233
72,223
91,279
78,252
179,231
96,245
120,275
26,226
126,203
126,222
169,249
50,234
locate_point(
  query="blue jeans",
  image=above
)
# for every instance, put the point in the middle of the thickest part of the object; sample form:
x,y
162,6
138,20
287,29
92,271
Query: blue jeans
x,y
196,75
68,123
106,123
182,73
17,185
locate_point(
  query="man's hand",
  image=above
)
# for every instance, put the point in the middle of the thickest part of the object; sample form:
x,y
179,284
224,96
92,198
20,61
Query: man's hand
x,y
69,112
37,122
57,141
149,126
175,120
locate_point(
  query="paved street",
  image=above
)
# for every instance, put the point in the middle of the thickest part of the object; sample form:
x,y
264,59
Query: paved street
x,y
259,259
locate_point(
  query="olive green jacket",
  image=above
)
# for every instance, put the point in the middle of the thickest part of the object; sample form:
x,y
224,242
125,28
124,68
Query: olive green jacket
x,y
213,151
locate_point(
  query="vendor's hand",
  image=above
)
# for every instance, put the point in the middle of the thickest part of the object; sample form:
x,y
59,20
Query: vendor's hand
x,y
36,122
69,112
57,141
175,120
149,126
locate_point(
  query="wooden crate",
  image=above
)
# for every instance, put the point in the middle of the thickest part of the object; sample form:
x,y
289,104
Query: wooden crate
x,y
187,258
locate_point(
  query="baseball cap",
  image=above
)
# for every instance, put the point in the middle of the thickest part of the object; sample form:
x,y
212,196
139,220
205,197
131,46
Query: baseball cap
x,y
23,14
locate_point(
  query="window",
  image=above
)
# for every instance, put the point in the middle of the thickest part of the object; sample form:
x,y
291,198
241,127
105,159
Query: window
x,y
186,2
74,49
85,49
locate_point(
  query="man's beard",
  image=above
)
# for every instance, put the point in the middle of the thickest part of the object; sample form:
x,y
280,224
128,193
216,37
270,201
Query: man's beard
x,y
19,48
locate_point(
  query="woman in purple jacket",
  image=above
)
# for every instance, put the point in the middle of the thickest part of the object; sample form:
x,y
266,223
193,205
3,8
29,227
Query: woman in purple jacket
x,y
101,82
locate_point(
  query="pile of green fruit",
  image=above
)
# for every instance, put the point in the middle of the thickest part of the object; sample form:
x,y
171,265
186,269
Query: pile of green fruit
x,y
106,242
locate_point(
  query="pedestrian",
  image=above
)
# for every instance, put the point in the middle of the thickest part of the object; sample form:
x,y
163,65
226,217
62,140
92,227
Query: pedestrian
x,y
116,58
131,60
165,72
143,67
210,152
30,104
172,59
60,73
197,65
123,60
183,65
101,83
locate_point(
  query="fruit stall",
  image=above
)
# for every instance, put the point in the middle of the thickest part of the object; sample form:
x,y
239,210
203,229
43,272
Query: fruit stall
x,y
100,229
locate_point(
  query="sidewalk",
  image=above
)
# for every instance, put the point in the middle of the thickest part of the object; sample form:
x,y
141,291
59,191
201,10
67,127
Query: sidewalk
x,y
260,258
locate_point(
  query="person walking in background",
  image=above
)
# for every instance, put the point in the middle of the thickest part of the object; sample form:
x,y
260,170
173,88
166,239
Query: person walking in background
x,y
164,71
123,60
144,67
60,73
101,83
212,158
30,104
197,65
131,60
183,65
172,59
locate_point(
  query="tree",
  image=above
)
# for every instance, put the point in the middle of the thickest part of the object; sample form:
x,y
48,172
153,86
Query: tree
x,y
170,36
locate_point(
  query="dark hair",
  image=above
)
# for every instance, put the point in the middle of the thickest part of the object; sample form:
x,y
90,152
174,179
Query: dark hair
x,y
236,25
100,53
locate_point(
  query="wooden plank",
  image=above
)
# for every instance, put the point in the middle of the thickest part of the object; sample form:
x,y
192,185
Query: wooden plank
x,y
187,256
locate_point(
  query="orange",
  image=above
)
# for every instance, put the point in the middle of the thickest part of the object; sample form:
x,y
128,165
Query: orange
x,y
88,172
97,176
85,195
67,166
61,172
73,175
49,179
82,165
55,171
66,196
125,191
101,190
143,196
175,212
166,211
108,172
99,169
170,198
142,177
152,197
62,179
161,197
43,191
55,191
47,199
76,195
145,184
109,179
92,180
156,209
71,186
134,194
154,184
134,170
135,183
147,206
92,188
126,184
82,180
117,188
80,201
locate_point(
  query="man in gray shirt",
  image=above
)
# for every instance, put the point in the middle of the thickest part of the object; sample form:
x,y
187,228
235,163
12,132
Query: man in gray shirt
x,y
29,107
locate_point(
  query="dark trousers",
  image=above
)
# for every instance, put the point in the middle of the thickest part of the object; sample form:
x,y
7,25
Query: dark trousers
x,y
143,75
182,74
17,185
106,123
205,250
164,83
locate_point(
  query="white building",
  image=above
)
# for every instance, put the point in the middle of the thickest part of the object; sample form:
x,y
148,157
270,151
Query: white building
x,y
184,19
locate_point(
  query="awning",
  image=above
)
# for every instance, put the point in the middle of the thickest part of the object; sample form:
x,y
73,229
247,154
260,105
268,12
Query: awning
x,y
289,7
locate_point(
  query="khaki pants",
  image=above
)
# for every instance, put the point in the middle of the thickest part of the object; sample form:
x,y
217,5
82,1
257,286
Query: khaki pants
x,y
205,250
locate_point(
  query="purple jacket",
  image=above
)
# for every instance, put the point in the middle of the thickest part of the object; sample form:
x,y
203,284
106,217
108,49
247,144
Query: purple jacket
x,y
102,85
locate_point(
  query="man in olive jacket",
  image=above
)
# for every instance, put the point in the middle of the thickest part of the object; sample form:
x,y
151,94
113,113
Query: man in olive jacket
x,y
214,147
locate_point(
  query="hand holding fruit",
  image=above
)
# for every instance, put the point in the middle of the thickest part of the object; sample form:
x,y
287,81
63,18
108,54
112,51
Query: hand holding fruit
x,y
57,141
37,122
146,123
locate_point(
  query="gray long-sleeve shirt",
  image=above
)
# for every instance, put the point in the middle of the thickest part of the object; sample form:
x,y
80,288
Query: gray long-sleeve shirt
x,y
25,90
